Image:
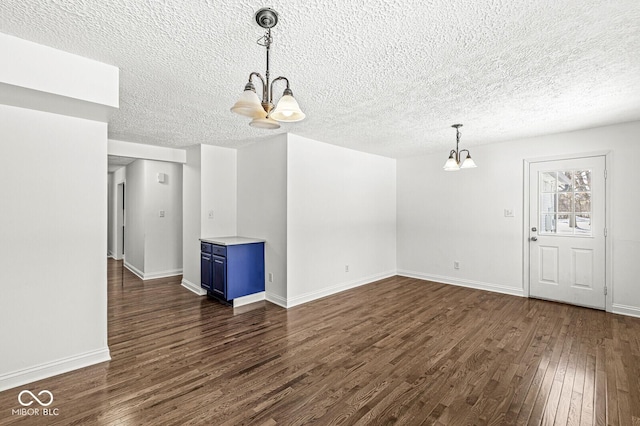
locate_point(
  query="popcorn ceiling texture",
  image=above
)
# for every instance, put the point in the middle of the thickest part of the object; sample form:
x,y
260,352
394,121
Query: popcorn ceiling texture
x,y
387,77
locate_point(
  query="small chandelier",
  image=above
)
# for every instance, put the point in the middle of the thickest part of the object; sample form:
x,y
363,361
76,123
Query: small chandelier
x,y
453,163
263,113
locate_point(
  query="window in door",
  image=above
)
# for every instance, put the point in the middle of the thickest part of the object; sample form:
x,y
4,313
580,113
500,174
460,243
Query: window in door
x,y
565,202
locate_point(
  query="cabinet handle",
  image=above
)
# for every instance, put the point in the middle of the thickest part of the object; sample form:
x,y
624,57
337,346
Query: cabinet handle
x,y
218,261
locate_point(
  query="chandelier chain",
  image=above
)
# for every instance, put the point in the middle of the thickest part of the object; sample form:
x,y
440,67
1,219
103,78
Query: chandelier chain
x,y
266,39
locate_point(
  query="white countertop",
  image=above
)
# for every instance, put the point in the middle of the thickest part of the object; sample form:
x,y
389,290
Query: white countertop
x,y
231,241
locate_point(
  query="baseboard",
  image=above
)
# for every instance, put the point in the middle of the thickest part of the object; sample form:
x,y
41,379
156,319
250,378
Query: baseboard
x,y
251,298
193,288
631,311
275,299
110,254
151,275
49,369
162,274
137,272
478,285
308,297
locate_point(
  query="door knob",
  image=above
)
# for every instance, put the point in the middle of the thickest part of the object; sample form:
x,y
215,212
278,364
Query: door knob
x,y
534,238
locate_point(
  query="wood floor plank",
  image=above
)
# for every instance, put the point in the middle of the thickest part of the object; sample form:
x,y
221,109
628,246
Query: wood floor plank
x,y
397,351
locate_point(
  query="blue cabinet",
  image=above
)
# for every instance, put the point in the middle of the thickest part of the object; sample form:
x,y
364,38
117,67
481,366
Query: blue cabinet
x,y
205,270
219,277
232,271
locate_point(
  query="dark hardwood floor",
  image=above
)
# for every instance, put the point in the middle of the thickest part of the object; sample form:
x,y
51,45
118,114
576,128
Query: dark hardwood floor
x,y
396,351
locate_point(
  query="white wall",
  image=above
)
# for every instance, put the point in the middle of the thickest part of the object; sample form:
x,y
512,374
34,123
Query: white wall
x,y
53,309
153,244
210,185
444,216
219,191
341,211
49,80
146,152
262,207
110,216
163,235
65,74
135,215
191,215
114,214
118,178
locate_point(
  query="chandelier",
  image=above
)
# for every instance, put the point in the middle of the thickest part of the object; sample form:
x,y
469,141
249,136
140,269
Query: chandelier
x,y
263,113
453,163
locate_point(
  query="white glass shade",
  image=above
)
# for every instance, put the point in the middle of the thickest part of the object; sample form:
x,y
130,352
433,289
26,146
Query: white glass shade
x,y
451,165
287,110
264,123
249,105
468,163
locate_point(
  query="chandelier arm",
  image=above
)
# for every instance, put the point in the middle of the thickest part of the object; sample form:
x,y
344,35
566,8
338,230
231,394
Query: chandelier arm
x,y
277,79
464,150
264,86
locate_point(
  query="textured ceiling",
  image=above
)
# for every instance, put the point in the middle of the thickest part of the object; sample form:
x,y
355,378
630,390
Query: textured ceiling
x,y
387,77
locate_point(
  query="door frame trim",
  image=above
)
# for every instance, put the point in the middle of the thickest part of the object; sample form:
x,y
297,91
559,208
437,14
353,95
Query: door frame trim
x,y
608,272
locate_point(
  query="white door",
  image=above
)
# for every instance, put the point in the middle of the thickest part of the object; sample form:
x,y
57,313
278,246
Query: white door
x,y
567,231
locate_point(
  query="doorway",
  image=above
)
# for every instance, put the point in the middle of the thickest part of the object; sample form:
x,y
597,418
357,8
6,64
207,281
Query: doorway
x,y
120,221
566,230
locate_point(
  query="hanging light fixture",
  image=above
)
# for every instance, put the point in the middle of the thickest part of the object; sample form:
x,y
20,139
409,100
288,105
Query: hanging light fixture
x,y
263,113
453,163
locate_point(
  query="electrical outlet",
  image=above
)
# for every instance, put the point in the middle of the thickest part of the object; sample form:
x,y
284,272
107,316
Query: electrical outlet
x,y
456,264
270,277
508,212
346,268
161,213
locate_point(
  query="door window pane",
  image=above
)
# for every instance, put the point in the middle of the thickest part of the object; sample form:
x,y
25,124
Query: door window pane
x,y
583,224
548,203
565,202
582,180
565,224
548,224
565,181
583,202
548,182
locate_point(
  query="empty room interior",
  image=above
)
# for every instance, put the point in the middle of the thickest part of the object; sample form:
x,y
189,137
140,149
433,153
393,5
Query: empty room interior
x,y
394,212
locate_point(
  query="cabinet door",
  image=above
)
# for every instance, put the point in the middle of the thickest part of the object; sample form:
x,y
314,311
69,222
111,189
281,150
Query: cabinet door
x,y
219,279
206,266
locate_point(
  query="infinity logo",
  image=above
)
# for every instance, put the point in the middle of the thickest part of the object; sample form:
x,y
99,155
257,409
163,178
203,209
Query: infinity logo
x,y
26,404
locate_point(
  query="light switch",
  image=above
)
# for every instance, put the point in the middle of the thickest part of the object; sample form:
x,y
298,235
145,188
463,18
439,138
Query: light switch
x,y
210,214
